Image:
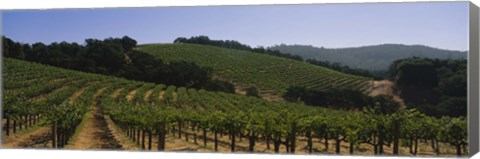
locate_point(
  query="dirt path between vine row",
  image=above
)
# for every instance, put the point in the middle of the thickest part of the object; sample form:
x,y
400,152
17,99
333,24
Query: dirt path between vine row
x,y
38,138
146,98
98,132
160,95
131,95
386,87
34,137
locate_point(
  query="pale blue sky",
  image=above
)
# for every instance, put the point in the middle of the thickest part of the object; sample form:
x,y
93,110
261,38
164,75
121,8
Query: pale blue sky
x,y
440,24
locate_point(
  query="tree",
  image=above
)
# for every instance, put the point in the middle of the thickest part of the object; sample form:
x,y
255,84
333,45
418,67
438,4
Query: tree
x,y
108,56
455,85
457,133
452,106
387,104
417,72
295,94
180,40
128,43
12,49
433,86
252,91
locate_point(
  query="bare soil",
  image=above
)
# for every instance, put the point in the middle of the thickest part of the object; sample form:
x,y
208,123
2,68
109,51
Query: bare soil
x,y
131,95
38,138
160,96
148,93
126,143
301,148
241,90
116,93
35,136
97,133
386,87
77,94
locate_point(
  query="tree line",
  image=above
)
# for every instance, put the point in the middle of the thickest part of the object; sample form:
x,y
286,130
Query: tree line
x,y
232,44
345,99
436,87
344,68
116,57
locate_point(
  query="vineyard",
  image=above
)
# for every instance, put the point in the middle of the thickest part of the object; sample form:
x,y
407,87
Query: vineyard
x,y
270,74
138,115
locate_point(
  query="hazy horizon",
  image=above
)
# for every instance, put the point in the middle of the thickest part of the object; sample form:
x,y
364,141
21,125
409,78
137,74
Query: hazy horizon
x,y
442,25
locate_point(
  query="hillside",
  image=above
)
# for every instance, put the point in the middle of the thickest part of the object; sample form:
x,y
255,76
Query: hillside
x,y
270,74
52,107
373,58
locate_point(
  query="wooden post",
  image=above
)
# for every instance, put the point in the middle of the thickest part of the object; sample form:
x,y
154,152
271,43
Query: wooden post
x,y
20,124
138,136
251,141
326,141
459,149
276,143
216,141
287,143
186,134
149,139
309,141
14,126
7,127
232,144
268,141
143,138
30,120
179,130
161,137
54,136
204,137
396,137
416,147
293,137
337,145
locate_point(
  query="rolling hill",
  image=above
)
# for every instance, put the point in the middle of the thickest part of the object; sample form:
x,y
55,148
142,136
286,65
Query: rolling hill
x,y
60,108
373,58
270,74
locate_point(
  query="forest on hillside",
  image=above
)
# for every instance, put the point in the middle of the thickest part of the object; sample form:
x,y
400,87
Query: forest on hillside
x,y
435,87
376,58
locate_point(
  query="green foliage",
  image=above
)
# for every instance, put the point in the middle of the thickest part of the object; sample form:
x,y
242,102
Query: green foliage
x,y
341,68
117,57
252,91
337,98
211,110
268,74
416,72
436,87
232,44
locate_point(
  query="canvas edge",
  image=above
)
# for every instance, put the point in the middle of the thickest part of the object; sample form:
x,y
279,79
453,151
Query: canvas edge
x,y
473,81
1,75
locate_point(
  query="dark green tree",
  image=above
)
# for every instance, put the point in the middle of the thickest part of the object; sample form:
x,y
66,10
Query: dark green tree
x,y
252,91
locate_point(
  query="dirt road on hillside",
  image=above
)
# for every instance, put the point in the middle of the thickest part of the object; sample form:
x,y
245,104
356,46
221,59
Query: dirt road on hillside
x,y
386,87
